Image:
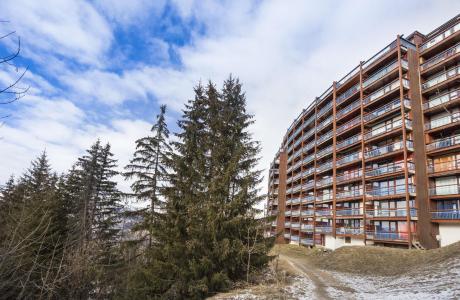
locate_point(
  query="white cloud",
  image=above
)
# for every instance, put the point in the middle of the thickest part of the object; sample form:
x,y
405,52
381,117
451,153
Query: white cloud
x,y
73,29
132,12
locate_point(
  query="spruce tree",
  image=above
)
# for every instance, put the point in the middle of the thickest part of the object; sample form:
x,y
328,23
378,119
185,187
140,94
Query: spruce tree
x,y
148,168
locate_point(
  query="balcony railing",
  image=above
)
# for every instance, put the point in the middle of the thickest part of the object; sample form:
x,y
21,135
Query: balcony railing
x,y
390,212
347,94
308,159
287,235
347,109
444,166
324,197
295,225
348,141
449,214
384,128
307,213
347,77
389,169
440,57
440,37
384,71
305,241
324,151
380,54
308,198
446,189
324,181
324,137
295,200
294,238
442,99
350,230
308,146
345,212
348,125
390,190
325,109
324,123
296,188
385,90
325,166
323,228
287,224
439,78
355,192
349,176
324,212
287,213
308,185
444,143
442,121
308,172
386,108
309,133
388,235
348,159
388,149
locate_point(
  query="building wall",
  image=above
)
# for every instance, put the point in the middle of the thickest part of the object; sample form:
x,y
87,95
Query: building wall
x,y
449,233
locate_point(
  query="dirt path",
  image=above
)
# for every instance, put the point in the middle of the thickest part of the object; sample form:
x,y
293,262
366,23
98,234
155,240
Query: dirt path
x,y
322,280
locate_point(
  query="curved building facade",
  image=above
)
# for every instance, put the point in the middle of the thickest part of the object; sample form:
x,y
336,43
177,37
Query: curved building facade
x,y
376,158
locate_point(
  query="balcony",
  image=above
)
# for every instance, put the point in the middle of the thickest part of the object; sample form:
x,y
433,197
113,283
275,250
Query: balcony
x,y
308,198
386,90
308,185
353,193
308,146
323,228
450,214
349,141
324,166
391,213
443,143
295,225
439,38
383,72
444,167
323,212
349,159
295,201
348,212
324,152
308,172
388,235
350,124
349,176
305,241
385,128
287,235
440,78
443,121
390,168
390,191
443,56
306,227
379,55
442,100
296,188
324,182
287,213
307,213
347,94
325,109
324,197
308,159
324,138
296,177
325,123
445,190
342,112
294,238
350,230
390,148
309,133
347,77
385,109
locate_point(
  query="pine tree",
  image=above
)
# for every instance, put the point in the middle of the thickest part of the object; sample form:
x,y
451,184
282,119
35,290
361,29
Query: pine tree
x,y
148,168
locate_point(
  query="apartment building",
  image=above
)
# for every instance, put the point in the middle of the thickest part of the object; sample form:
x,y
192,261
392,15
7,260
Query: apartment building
x,y
376,158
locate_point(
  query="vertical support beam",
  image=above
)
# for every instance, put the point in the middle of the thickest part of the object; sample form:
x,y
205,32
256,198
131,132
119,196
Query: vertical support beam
x,y
334,159
314,173
403,119
426,230
363,162
281,197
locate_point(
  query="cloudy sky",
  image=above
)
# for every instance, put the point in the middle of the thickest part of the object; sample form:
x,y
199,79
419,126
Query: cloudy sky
x,y
100,69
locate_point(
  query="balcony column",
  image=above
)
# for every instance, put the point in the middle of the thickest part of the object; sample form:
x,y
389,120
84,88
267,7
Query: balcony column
x,y
281,197
403,113
334,158
314,171
363,162
426,229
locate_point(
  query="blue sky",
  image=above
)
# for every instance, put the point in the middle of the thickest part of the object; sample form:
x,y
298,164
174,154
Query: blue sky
x,y
100,69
